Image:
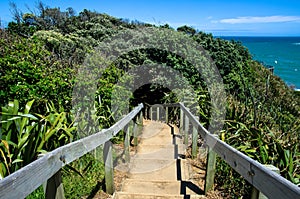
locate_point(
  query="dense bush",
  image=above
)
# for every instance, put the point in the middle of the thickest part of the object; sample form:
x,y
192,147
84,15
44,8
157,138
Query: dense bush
x,y
29,71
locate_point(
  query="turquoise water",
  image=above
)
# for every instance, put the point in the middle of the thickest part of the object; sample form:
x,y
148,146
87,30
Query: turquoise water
x,y
281,52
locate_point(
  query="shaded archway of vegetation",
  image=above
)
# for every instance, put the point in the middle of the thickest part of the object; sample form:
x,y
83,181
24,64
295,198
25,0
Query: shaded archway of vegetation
x,y
149,94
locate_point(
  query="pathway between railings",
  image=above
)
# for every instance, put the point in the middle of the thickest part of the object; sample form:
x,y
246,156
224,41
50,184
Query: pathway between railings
x,y
158,168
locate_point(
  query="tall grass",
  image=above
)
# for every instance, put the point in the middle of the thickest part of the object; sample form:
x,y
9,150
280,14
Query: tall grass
x,y
263,137
25,135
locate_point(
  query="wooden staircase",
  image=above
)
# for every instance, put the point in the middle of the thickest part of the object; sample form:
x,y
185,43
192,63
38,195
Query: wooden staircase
x,y
158,168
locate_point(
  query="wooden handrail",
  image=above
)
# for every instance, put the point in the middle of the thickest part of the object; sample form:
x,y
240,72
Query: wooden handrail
x,y
27,179
24,181
266,181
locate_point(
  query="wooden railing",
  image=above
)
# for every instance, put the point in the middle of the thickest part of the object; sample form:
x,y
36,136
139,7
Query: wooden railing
x,y
271,184
47,168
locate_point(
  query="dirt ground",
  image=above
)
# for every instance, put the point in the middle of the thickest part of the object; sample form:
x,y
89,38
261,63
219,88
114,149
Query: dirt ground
x,y
198,166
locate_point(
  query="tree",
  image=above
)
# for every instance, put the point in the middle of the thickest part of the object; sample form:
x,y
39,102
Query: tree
x,y
186,29
17,14
167,26
28,18
71,12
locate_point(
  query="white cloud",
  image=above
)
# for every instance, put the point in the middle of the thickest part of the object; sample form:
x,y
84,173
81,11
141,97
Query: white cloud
x,y
266,19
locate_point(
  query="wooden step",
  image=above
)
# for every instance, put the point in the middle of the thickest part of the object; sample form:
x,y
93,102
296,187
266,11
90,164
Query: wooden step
x,y
160,187
160,151
154,129
148,165
162,138
125,195
158,133
177,170
156,170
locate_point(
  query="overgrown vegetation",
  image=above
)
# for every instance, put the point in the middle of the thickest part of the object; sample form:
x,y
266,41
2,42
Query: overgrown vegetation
x,y
40,56
83,178
24,135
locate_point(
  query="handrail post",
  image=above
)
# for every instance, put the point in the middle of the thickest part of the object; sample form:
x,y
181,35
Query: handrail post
x,y
167,115
157,113
210,169
109,170
194,142
146,112
151,113
181,121
256,194
186,130
54,187
127,143
141,118
135,133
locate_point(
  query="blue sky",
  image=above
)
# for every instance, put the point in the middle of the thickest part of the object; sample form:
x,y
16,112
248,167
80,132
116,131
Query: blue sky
x,y
222,18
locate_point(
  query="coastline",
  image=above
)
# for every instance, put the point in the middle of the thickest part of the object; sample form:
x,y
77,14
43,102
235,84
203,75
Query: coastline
x,y
280,52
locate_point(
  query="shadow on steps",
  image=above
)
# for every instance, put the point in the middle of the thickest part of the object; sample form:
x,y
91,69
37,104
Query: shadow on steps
x,y
184,185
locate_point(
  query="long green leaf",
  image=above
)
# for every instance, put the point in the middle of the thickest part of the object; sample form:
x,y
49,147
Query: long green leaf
x,y
28,106
54,128
17,161
5,161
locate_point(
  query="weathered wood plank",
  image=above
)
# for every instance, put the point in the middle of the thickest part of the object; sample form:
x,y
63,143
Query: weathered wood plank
x,y
124,121
186,130
181,121
135,133
268,182
140,123
109,168
255,193
141,118
127,143
171,105
194,142
24,181
151,113
210,170
274,169
54,187
33,175
167,114
194,121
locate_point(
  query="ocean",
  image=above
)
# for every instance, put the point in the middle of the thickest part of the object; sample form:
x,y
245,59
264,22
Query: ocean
x,y
283,53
